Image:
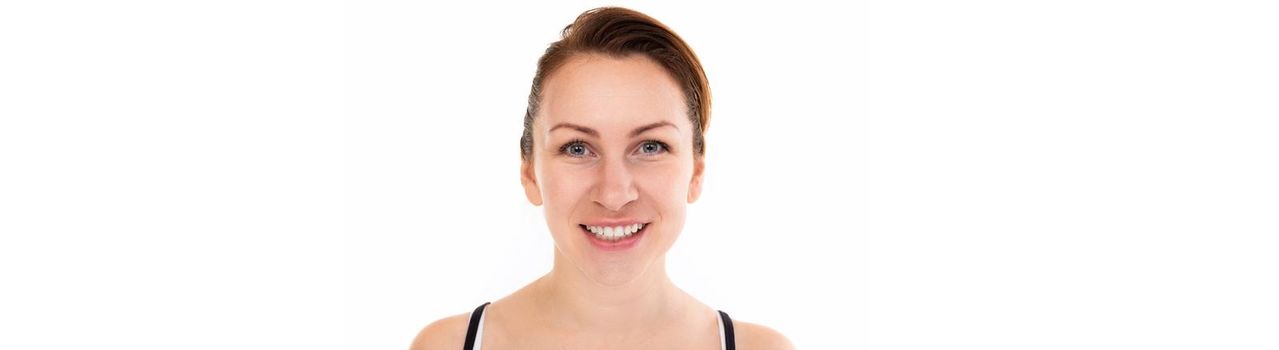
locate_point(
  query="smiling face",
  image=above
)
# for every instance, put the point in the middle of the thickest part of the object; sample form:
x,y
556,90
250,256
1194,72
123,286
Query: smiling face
x,y
612,147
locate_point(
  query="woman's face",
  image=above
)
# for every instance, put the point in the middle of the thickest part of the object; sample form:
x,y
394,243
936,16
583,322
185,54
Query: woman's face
x,y
612,147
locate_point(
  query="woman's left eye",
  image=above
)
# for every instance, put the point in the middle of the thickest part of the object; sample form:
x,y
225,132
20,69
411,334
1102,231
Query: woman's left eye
x,y
652,147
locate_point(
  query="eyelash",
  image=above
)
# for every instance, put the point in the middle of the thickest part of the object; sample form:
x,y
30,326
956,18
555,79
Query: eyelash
x,y
570,143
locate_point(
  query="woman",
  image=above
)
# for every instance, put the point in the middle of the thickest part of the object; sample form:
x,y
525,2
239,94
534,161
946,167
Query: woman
x,y
613,148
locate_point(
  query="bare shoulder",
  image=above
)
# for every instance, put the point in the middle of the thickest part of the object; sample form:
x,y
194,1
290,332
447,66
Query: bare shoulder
x,y
445,333
750,336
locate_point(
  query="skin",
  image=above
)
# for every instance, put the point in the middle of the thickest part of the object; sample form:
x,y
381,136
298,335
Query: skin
x,y
592,299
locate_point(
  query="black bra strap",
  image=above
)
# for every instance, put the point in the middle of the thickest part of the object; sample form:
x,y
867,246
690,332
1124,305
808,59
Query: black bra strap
x,y
729,342
475,325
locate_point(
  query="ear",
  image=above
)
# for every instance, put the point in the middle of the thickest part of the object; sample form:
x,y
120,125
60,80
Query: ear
x,y
529,179
695,185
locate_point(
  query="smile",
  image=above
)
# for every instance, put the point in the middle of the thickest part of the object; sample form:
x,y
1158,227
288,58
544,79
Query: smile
x,y
613,233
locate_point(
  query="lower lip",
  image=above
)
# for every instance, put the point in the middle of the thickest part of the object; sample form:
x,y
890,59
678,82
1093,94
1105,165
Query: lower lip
x,y
618,245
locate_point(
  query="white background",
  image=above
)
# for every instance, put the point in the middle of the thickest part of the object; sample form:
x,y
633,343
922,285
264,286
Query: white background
x,y
881,175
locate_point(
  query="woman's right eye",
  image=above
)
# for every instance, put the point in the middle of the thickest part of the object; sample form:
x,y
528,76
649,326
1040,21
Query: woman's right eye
x,y
575,149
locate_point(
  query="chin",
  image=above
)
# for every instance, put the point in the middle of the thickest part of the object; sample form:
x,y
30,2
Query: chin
x,y
616,274
615,270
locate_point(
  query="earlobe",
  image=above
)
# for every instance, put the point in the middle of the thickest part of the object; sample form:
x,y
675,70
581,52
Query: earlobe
x,y
694,190
695,185
529,180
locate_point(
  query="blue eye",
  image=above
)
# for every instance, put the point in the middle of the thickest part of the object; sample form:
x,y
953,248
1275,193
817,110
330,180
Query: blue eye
x,y
652,147
575,148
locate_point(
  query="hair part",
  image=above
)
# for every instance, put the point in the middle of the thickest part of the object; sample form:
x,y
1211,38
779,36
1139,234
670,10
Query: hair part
x,y
621,32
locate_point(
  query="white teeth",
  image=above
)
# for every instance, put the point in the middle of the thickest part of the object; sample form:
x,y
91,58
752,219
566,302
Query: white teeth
x,y
615,232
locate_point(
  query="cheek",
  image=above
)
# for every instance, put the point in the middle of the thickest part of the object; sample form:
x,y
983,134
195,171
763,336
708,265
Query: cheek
x,y
565,193
558,187
562,188
666,183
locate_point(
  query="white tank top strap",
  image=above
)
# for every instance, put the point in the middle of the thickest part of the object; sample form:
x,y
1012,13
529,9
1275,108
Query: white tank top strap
x,y
721,330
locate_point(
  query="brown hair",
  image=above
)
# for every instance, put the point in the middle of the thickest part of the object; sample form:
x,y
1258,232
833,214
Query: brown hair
x,y
621,32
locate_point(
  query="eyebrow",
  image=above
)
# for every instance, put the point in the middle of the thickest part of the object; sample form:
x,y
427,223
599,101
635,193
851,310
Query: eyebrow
x,y
592,132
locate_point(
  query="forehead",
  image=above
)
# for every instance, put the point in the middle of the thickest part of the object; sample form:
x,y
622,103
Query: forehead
x,y
602,91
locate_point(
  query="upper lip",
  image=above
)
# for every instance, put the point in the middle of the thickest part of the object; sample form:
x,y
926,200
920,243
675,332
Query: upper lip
x,y
613,222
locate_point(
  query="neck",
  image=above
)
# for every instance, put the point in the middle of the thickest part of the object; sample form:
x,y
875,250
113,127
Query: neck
x,y
574,301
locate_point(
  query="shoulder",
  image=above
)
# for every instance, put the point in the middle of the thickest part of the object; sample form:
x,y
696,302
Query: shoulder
x,y
750,336
445,333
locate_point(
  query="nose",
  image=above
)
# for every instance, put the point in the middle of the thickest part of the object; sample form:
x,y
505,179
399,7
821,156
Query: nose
x,y
616,187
